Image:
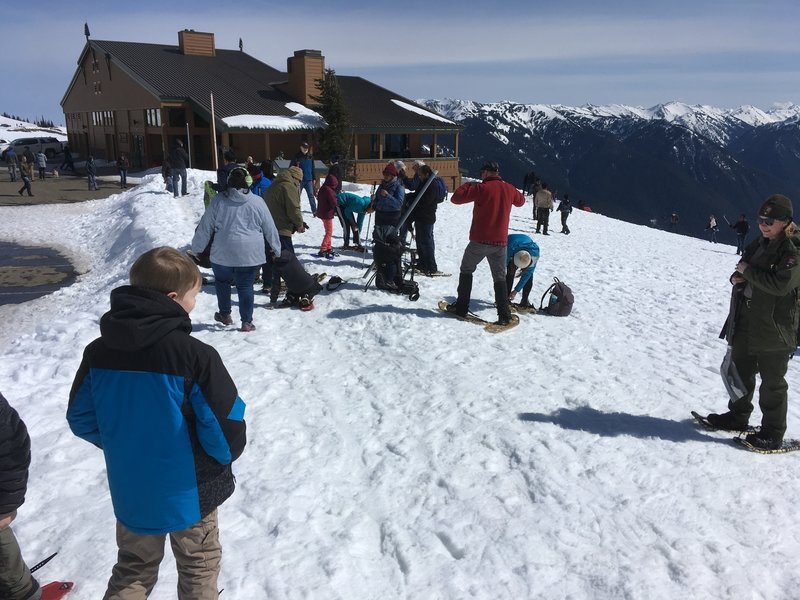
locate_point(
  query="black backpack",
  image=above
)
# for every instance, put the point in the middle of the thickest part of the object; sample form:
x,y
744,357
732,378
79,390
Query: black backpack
x,y
560,302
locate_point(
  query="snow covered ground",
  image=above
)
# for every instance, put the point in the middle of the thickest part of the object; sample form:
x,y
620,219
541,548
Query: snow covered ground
x,y
397,453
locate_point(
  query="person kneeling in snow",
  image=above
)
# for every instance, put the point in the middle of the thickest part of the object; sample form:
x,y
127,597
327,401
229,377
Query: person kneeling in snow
x,y
523,254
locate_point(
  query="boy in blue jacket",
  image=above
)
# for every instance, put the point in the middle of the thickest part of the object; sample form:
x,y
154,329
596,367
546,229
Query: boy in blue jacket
x,y
165,412
522,255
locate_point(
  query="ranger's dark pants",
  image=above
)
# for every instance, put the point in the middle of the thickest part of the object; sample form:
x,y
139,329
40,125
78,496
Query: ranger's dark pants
x,y
772,394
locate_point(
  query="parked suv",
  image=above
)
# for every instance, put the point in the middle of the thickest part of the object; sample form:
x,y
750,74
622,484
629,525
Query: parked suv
x,y
49,145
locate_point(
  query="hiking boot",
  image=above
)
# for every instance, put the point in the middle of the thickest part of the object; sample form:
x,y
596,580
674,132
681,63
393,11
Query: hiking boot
x,y
247,326
502,321
727,421
763,441
224,319
453,308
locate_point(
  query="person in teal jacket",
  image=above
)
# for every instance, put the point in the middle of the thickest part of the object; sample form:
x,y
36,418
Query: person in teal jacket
x,y
352,208
522,255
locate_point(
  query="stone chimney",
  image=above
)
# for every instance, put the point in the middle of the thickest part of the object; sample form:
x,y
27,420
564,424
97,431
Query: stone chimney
x,y
196,43
304,68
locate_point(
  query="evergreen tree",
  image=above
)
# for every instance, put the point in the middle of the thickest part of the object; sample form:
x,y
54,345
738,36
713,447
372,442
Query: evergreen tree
x,y
335,139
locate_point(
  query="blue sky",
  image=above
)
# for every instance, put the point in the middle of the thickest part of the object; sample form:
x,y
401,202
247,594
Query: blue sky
x,y
573,52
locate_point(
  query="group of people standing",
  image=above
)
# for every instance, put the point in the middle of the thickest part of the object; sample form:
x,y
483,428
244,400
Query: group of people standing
x,y
24,166
543,204
508,255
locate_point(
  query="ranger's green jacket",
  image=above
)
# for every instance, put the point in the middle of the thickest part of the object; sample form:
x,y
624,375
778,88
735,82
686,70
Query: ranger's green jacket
x,y
769,313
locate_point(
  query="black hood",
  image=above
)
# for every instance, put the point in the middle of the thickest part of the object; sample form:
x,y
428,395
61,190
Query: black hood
x,y
139,317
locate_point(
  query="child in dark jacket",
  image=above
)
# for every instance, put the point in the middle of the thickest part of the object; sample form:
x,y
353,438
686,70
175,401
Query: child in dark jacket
x,y
326,210
165,412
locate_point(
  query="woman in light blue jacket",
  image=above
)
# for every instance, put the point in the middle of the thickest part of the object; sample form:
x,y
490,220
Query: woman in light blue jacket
x,y
241,231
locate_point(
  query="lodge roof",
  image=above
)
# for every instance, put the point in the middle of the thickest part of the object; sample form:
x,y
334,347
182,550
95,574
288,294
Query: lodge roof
x,y
243,85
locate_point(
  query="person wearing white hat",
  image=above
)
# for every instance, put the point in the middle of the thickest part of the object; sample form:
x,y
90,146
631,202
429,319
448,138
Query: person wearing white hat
x,y
522,254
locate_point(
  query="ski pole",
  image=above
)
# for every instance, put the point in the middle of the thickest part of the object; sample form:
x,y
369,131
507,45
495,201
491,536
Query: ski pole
x,y
726,219
39,565
369,223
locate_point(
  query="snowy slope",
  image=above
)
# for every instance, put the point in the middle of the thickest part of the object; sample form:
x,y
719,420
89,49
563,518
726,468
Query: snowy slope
x,y
396,453
11,129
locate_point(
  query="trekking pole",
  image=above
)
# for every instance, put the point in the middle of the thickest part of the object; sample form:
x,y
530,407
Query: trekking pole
x,y
369,223
726,219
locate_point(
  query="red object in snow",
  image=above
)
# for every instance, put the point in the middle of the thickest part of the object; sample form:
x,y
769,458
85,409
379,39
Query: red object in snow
x,y
56,590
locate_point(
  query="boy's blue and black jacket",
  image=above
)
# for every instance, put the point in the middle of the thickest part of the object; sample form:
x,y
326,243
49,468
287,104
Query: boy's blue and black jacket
x,y
164,410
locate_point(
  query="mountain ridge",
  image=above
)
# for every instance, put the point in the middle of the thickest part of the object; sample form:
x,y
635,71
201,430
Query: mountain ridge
x,y
639,164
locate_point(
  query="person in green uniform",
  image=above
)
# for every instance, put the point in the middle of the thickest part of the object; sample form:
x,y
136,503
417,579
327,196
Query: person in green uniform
x,y
765,333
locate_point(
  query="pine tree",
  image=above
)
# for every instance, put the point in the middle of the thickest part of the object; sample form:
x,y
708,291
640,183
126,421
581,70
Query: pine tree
x,y
335,139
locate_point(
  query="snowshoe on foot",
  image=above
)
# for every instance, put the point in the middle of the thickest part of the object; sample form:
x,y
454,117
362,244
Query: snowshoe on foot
x,y
762,441
727,422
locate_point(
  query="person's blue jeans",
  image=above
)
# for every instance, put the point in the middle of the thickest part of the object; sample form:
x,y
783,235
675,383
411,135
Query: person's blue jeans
x,y
123,177
92,181
179,174
426,247
308,186
244,277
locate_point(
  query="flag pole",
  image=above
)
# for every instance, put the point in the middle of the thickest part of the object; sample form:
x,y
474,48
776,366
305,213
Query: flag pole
x,y
214,134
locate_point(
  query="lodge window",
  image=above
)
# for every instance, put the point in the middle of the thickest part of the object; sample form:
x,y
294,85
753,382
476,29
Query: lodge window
x,y
394,146
105,117
176,117
154,117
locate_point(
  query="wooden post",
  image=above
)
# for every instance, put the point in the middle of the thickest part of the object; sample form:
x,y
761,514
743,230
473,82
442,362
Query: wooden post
x,y
214,134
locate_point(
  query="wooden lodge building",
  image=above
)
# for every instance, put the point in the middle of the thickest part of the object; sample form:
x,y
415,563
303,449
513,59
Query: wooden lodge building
x,y
137,99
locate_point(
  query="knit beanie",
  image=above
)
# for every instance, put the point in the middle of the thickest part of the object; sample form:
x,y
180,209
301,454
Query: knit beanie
x,y
777,206
296,173
390,169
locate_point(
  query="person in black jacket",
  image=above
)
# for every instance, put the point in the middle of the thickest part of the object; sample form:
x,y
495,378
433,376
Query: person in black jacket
x,y
424,218
170,422
16,581
741,227
178,161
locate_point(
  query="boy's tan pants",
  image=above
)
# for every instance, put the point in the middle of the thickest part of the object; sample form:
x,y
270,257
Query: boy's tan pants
x,y
197,554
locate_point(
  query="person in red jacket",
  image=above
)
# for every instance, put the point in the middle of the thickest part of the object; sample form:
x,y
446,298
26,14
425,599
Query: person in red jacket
x,y
326,210
488,236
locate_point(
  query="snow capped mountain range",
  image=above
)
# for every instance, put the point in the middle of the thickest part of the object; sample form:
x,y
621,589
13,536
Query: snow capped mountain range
x,y
639,164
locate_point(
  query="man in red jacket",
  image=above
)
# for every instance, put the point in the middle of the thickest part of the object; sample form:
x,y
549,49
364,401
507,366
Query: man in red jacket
x,y
488,236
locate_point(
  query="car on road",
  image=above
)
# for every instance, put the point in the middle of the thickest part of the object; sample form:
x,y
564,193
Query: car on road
x,y
49,145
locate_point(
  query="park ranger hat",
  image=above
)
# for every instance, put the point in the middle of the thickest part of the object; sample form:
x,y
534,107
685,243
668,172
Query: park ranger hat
x,y
778,207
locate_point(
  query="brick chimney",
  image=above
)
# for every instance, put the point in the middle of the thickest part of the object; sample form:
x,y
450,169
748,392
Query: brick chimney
x,y
304,68
196,43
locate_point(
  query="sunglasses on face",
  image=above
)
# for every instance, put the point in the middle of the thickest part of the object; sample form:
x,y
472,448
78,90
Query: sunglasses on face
x,y
765,221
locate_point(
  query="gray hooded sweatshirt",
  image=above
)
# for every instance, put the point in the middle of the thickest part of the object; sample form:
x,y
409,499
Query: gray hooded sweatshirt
x,y
240,225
